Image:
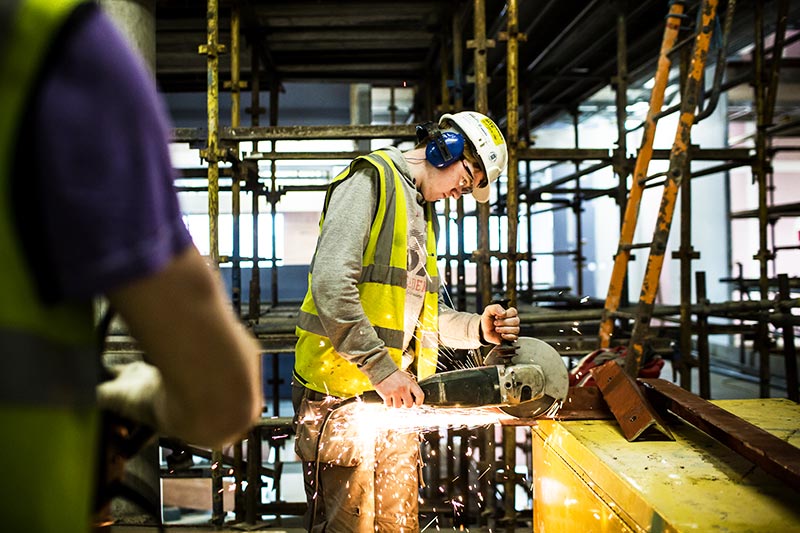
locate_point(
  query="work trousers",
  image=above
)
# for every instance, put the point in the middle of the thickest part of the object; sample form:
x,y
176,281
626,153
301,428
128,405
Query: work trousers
x,y
357,478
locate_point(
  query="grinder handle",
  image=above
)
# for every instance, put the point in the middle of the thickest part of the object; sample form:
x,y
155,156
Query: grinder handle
x,y
505,302
502,353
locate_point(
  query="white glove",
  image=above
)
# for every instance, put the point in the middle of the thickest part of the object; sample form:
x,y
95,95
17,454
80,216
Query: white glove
x,y
133,392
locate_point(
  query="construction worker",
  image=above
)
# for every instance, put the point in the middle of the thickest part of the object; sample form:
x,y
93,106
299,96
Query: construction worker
x,y
89,208
373,318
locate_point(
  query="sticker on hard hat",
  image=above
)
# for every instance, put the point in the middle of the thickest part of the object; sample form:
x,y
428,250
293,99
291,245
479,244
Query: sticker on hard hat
x,y
497,137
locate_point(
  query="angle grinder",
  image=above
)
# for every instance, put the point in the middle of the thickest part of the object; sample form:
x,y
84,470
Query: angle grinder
x,y
526,379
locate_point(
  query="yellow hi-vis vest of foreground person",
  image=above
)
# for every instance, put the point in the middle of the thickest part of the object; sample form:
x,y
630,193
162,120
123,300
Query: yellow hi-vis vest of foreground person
x,y
47,387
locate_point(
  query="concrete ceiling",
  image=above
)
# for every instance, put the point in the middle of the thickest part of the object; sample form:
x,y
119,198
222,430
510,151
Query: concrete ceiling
x,y
568,55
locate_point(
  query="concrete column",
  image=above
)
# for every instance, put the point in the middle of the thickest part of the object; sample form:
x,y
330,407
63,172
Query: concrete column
x,y
361,110
136,19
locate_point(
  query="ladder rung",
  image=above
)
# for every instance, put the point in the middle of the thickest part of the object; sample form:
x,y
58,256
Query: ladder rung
x,y
688,40
652,177
627,247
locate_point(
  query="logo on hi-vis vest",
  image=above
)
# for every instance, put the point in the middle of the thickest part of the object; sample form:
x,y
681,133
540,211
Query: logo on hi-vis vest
x,y
491,127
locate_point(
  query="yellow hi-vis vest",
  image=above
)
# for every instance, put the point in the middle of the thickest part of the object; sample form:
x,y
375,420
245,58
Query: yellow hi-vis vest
x,y
48,364
382,290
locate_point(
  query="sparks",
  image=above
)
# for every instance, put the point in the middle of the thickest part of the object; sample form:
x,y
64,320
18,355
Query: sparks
x,y
457,505
435,519
378,418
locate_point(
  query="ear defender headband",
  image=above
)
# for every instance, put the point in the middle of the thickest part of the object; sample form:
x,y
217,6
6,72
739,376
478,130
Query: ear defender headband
x,y
444,147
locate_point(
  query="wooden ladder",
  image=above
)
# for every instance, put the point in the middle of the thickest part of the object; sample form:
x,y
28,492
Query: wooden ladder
x,y
677,164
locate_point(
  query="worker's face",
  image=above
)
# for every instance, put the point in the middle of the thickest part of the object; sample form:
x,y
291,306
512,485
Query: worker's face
x,y
454,181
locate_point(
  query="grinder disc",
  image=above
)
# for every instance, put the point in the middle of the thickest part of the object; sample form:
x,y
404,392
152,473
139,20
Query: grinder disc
x,y
528,350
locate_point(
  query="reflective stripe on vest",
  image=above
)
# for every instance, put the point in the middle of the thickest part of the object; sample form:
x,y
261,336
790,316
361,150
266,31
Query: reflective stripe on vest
x,y
34,371
34,333
382,290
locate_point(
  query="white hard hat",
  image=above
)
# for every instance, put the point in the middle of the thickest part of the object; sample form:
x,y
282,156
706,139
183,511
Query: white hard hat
x,y
487,142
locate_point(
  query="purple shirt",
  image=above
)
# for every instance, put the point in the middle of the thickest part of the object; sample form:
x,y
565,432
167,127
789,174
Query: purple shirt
x,y
110,213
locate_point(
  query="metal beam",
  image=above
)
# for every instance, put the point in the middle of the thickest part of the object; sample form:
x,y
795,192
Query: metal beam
x,y
772,454
626,400
296,133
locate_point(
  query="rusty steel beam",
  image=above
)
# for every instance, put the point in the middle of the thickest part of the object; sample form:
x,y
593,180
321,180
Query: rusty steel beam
x,y
512,206
513,36
480,45
582,403
238,172
685,254
459,78
743,155
563,154
789,348
775,63
621,167
553,185
773,455
627,402
295,133
760,173
212,49
724,309
703,351
205,453
773,211
254,289
303,156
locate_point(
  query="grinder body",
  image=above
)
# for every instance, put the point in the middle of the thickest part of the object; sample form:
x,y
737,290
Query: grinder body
x,y
525,379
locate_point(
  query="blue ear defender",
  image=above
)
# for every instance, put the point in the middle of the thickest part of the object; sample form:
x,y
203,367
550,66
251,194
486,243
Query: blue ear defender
x,y
444,147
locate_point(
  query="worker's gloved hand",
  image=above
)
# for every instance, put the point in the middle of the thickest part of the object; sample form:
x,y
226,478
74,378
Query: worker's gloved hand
x,y
132,393
400,389
498,323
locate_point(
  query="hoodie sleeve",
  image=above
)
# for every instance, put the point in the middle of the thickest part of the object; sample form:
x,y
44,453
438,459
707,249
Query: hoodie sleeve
x,y
457,329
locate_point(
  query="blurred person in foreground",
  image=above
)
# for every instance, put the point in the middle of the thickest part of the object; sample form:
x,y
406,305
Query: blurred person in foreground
x,y
374,317
89,209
